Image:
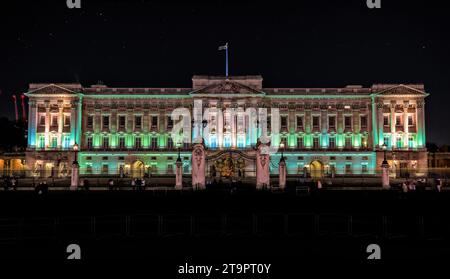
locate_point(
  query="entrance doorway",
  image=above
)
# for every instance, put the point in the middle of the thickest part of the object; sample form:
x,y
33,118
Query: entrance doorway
x,y
316,169
138,169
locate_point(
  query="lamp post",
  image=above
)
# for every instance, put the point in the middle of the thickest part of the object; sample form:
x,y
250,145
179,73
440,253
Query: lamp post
x,y
385,170
179,170
75,169
282,169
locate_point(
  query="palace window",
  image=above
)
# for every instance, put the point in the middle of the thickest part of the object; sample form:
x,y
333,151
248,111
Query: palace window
x,y
154,143
90,121
170,168
316,143
332,122
227,142
241,142
122,142
283,122
89,168
398,120
105,169
154,122
269,123
399,142
387,141
169,122
411,142
300,142
410,120
42,120
54,120
66,120
89,143
105,122
54,142
386,121
364,142
105,143
41,142
66,142
122,121
364,168
363,120
348,122
348,142
137,143
316,122
348,168
170,143
299,123
332,143
213,142
138,122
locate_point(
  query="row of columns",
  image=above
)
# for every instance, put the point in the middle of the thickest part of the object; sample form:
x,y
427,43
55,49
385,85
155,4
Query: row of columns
x,y
420,123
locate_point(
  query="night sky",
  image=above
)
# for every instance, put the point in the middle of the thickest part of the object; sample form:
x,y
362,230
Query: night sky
x,y
291,44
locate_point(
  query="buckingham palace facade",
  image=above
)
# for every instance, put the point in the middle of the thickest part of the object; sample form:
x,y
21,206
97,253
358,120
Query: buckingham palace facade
x,y
322,131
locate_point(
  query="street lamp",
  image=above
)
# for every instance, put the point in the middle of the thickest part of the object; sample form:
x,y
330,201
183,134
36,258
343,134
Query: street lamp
x,y
384,147
385,170
75,169
282,150
179,169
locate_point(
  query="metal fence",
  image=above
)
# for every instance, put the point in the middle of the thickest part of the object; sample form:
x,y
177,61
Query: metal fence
x,y
227,225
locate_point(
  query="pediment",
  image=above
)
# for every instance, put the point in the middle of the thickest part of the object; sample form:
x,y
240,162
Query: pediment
x,y
401,90
51,89
227,87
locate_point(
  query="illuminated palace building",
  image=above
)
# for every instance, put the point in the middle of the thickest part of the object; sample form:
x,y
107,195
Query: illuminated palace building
x,y
322,131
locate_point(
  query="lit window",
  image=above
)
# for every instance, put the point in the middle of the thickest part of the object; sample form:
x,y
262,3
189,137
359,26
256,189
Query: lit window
x,y
138,122
332,143
66,120
122,142
90,121
42,120
122,121
348,122
316,122
105,122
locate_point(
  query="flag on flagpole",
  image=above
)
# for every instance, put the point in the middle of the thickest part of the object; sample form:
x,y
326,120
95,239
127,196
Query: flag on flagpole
x,y
224,47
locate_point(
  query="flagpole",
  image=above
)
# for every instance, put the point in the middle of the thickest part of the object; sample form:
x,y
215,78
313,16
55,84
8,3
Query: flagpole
x,y
226,62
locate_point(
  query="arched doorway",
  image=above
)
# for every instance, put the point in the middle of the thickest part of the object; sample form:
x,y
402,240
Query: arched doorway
x,y
137,169
316,168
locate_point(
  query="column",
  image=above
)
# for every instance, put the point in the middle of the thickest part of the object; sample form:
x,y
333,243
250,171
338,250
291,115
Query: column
x,y
73,124
307,140
340,141
32,123
373,127
393,134
380,122
405,125
60,124
324,126
420,114
356,127
47,125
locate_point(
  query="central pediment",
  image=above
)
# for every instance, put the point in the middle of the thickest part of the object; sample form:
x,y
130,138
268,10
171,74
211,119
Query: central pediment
x,y
227,87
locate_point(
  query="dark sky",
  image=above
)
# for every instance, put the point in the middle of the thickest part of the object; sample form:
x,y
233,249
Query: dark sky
x,y
291,44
